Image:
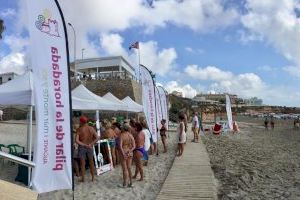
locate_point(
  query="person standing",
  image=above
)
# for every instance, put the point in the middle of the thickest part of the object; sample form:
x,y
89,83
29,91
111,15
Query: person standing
x,y
266,123
163,130
1,115
139,150
86,137
195,127
127,145
181,135
147,144
272,121
110,135
297,123
117,129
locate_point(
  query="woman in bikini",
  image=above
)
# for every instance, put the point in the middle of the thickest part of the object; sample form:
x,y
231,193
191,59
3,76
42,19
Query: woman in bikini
x,y
139,150
116,126
163,135
127,145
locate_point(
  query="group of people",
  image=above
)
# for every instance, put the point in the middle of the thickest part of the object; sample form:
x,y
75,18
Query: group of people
x,y
129,142
271,122
182,130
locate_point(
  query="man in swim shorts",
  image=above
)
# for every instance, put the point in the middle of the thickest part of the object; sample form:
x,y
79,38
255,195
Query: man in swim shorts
x,y
86,137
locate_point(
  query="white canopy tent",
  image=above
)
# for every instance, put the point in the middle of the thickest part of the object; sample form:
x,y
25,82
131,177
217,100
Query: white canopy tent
x,y
132,105
82,92
120,104
18,91
82,104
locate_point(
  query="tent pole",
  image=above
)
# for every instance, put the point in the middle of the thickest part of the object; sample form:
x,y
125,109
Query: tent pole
x,y
98,130
30,144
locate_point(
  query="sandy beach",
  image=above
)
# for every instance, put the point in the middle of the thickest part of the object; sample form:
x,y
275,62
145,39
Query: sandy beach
x,y
106,185
256,164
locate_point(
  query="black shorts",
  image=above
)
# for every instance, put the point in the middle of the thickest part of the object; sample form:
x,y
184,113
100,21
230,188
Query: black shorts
x,y
84,152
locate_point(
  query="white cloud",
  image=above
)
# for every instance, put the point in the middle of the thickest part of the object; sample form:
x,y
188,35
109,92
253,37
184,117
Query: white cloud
x,y
200,16
207,73
112,44
13,62
293,70
245,85
102,16
278,24
16,43
160,61
16,60
187,90
9,12
267,68
194,51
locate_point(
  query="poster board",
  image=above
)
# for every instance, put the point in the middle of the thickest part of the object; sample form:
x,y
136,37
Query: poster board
x,y
99,163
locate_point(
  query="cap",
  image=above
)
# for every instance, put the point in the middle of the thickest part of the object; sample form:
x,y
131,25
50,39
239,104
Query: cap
x,y
83,119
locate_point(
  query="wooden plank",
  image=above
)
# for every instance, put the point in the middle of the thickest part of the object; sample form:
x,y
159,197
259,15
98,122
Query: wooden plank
x,y
10,191
191,176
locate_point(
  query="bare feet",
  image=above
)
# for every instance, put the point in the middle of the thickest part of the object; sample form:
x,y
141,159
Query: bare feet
x,y
134,177
141,179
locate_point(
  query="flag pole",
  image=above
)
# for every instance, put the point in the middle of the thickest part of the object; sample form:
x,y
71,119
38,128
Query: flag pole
x,y
139,63
70,95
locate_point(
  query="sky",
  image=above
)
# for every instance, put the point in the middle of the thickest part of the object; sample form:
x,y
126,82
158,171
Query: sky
x,y
248,47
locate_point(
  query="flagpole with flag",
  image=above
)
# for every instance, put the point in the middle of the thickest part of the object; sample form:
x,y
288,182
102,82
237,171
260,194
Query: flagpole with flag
x,y
136,45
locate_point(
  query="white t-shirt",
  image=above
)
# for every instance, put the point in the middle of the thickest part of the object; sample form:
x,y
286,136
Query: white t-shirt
x,y
147,139
195,121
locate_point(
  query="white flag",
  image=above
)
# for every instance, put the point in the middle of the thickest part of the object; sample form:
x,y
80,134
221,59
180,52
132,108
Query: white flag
x,y
164,104
159,115
149,101
229,113
52,150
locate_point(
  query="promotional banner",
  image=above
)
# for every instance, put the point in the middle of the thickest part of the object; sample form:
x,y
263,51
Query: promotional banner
x,y
49,59
149,101
228,110
159,115
164,104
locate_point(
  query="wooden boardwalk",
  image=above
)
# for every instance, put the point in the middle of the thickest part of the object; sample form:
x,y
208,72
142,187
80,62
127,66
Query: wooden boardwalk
x,y
191,176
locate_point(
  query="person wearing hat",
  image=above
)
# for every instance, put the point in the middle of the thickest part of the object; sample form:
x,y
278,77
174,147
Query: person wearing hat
x,y
86,137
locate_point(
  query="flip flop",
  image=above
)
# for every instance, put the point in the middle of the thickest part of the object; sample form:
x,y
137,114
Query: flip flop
x,y
130,185
121,186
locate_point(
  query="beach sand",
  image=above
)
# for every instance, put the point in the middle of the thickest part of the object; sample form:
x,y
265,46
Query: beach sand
x,y
106,185
256,164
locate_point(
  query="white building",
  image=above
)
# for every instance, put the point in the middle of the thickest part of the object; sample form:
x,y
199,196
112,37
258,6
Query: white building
x,y
104,68
7,77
